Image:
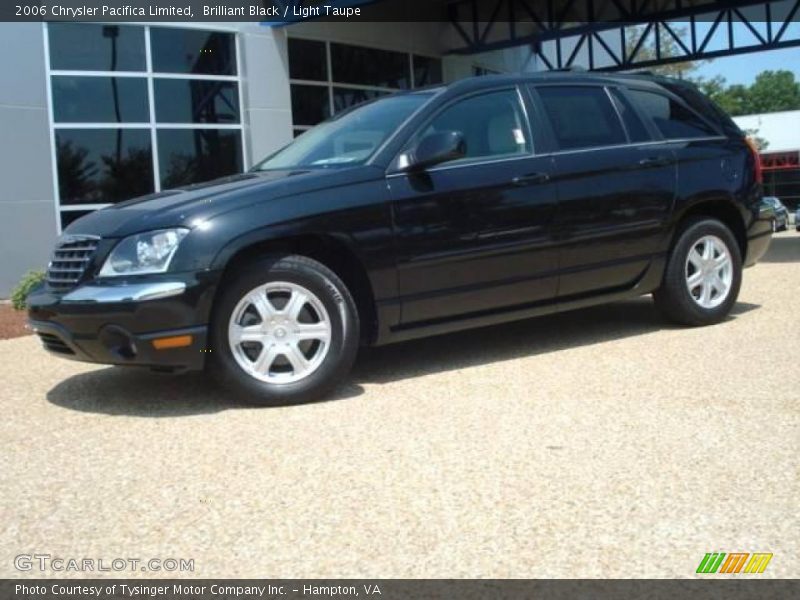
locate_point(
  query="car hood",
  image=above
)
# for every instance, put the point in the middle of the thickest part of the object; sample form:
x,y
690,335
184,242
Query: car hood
x,y
191,205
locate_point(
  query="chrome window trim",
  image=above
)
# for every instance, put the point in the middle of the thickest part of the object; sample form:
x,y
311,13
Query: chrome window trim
x,y
561,152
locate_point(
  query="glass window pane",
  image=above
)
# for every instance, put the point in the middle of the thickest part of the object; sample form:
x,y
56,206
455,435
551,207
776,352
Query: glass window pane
x,y
94,47
672,118
346,97
347,139
193,51
196,101
427,71
492,124
70,216
310,104
368,66
637,132
189,156
581,116
100,99
96,166
307,60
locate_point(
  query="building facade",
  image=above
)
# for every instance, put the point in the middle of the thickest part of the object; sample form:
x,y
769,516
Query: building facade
x,y
780,159
93,114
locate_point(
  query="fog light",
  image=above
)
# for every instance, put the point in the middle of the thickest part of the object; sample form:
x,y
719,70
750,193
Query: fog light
x,y
177,341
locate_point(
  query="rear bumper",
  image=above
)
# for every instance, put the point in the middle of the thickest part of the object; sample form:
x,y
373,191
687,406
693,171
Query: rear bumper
x,y
120,323
759,234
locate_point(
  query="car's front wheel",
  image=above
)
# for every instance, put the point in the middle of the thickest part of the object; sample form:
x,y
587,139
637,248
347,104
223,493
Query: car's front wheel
x,y
285,330
703,275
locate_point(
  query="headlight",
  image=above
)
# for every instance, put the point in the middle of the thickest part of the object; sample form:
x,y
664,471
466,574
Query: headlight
x,y
143,253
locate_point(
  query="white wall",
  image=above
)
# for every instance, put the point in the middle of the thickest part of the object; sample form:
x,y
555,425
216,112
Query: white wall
x,y
780,129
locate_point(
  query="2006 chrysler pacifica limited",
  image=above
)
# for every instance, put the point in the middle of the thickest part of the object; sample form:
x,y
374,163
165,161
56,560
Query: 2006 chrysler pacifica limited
x,y
488,200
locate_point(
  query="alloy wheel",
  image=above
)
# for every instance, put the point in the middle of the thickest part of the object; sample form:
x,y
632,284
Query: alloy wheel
x,y
279,333
709,271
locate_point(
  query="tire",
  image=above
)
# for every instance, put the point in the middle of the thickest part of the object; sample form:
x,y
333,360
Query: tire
x,y
255,338
705,304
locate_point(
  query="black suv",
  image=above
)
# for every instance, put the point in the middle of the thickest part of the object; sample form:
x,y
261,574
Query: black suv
x,y
488,200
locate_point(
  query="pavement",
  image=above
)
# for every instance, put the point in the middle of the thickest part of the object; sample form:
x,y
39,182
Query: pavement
x,y
597,443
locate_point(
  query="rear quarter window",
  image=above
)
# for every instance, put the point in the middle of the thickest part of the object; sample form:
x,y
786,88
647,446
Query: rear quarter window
x,y
671,118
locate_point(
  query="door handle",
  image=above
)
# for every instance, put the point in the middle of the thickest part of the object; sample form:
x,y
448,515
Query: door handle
x,y
530,179
654,161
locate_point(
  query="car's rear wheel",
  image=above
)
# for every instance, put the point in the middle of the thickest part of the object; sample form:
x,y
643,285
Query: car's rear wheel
x,y
703,275
285,330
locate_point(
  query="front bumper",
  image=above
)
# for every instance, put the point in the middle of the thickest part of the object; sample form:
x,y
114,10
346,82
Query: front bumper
x,y
128,323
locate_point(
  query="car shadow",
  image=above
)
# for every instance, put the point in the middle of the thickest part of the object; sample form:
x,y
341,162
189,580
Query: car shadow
x,y
134,392
509,341
783,249
120,391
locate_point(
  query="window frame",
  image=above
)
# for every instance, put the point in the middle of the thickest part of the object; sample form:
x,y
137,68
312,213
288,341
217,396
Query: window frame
x,y
394,165
649,126
331,84
553,145
152,125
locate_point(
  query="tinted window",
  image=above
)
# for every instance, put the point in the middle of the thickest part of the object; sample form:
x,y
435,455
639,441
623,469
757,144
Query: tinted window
x,y
90,47
310,104
427,71
307,60
346,97
196,101
637,132
581,117
492,124
188,156
96,166
193,51
368,66
672,118
100,99
350,138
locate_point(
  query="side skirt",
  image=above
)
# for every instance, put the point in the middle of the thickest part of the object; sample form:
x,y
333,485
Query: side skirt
x,y
647,283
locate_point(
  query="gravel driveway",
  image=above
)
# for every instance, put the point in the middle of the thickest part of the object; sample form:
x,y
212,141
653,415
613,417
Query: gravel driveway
x,y
598,443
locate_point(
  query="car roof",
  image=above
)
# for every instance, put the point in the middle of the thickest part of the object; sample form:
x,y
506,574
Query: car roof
x,y
561,76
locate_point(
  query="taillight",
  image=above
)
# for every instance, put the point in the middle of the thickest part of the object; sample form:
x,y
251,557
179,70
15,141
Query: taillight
x,y
758,174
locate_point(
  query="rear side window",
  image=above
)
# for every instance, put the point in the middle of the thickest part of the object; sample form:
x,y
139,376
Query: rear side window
x,y
492,124
672,118
581,116
637,132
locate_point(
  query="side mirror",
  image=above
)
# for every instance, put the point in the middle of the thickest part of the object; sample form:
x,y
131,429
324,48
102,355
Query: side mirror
x,y
434,149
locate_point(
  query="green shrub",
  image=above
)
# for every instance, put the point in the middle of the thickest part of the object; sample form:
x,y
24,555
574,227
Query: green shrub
x,y
31,280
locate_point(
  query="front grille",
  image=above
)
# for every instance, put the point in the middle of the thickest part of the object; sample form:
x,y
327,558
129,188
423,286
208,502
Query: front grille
x,y
70,259
53,343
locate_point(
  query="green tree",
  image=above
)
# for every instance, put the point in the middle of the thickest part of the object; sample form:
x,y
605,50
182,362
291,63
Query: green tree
x,y
732,99
773,91
770,92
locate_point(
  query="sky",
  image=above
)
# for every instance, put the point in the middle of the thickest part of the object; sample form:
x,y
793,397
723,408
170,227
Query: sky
x,y
741,69
744,68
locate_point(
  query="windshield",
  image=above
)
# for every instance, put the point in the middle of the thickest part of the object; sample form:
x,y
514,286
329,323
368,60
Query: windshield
x,y
349,139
